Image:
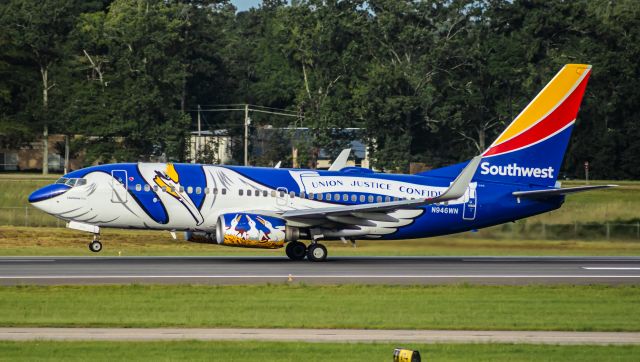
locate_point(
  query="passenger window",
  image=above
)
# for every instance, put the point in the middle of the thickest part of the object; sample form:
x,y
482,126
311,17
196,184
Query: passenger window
x,y
248,192
172,188
198,190
361,198
138,187
292,194
190,190
155,188
281,193
378,198
328,197
165,189
224,191
354,198
273,193
302,194
310,195
319,197
387,198
370,198
181,188
265,193
345,197
206,190
215,191
240,192
147,188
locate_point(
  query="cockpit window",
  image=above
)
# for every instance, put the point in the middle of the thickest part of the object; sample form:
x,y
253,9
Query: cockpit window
x,y
72,181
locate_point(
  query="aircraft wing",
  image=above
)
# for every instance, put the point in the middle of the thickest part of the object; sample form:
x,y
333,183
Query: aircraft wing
x,y
556,192
377,211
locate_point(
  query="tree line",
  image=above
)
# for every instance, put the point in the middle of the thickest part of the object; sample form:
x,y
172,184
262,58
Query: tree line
x,y
430,81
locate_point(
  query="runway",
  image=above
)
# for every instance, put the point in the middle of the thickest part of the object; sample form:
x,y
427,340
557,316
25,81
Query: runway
x,y
316,335
337,270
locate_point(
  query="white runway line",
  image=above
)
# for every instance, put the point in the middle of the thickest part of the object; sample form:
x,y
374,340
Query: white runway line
x,y
610,268
304,276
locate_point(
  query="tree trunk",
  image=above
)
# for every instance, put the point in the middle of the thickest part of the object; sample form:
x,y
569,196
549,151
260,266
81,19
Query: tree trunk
x,y
45,134
482,138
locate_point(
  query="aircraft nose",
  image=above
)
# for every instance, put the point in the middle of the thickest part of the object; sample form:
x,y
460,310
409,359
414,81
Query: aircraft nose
x,y
47,192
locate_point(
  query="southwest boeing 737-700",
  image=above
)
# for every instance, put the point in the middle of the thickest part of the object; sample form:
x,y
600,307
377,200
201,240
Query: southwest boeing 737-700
x,y
272,207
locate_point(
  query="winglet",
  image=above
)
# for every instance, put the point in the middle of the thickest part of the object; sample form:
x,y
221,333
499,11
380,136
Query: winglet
x,y
340,161
461,183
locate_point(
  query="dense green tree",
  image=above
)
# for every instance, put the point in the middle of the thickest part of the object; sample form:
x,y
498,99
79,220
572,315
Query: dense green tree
x,y
429,81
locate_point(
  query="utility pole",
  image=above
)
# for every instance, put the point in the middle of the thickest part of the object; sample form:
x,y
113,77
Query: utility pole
x,y
197,146
246,135
66,153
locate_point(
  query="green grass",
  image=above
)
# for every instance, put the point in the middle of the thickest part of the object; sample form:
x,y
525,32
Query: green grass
x,y
60,241
573,308
298,351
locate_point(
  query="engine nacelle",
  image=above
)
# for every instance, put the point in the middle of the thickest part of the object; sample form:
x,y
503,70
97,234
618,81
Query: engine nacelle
x,y
251,230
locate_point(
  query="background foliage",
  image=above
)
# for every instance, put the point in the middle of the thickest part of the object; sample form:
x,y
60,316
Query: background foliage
x,y
431,81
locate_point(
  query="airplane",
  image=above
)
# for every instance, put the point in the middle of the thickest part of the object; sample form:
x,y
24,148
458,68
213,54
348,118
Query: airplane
x,y
258,207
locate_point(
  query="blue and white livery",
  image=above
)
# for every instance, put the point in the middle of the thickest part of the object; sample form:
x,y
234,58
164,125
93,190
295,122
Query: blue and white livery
x,y
273,207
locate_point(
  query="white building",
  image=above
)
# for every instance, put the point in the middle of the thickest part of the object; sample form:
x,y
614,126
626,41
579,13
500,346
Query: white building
x,y
211,147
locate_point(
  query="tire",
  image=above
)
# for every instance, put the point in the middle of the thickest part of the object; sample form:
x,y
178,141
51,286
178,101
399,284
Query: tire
x,y
95,246
317,252
296,250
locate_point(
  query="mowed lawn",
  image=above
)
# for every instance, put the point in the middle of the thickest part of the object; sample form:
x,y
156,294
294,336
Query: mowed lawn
x,y
17,240
571,308
298,351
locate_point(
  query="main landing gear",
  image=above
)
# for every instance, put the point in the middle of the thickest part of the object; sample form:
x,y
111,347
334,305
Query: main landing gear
x,y
296,250
95,245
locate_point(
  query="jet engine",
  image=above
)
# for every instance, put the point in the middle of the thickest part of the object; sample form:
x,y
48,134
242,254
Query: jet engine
x,y
253,231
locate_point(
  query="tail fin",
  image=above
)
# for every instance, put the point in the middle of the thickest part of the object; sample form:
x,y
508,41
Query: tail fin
x,y
532,147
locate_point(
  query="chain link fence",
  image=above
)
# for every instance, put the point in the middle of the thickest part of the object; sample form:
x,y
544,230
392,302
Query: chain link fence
x,y
30,216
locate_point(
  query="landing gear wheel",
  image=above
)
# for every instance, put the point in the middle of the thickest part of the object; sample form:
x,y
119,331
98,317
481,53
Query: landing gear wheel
x,y
95,246
316,252
296,250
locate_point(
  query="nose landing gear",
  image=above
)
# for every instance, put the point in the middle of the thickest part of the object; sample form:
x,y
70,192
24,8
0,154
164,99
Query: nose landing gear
x,y
95,245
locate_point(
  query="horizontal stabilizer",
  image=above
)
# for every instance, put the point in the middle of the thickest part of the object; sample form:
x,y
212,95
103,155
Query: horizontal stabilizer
x,y
556,192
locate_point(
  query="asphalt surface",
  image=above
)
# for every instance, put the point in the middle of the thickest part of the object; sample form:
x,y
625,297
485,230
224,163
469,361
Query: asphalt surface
x,y
337,270
316,335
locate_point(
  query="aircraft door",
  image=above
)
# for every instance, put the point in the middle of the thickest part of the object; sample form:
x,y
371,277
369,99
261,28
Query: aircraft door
x,y
471,204
282,196
119,186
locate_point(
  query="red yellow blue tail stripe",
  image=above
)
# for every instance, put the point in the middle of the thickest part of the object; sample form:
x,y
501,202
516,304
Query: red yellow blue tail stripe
x,y
554,109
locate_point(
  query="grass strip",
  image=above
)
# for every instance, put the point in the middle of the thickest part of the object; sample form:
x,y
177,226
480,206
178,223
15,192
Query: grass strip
x,y
297,351
571,308
33,241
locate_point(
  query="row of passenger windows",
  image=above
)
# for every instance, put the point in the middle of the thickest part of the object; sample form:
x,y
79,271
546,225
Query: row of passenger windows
x,y
189,189
264,193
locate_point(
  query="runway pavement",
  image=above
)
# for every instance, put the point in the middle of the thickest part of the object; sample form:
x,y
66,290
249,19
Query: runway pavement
x,y
337,270
317,335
